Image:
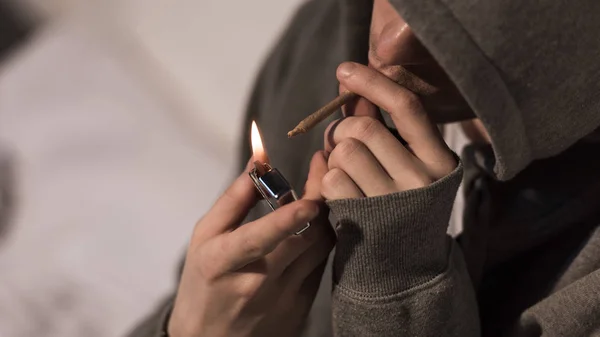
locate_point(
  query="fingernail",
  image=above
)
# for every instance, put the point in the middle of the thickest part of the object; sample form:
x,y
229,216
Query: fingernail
x,y
346,69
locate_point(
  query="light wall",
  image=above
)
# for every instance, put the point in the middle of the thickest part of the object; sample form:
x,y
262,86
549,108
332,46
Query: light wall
x,y
211,49
204,54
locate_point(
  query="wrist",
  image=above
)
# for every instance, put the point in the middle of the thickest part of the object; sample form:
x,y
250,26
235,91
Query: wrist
x,y
178,323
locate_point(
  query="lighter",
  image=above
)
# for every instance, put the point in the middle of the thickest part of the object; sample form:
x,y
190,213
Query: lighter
x,y
271,184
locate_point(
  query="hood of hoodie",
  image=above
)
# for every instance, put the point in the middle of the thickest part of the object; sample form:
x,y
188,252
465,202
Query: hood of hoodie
x,y
528,69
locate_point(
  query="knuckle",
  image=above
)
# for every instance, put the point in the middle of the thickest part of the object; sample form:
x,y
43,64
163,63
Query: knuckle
x,y
414,178
345,150
299,213
420,180
424,180
444,167
249,287
447,167
331,178
331,181
449,162
251,248
408,100
207,266
366,127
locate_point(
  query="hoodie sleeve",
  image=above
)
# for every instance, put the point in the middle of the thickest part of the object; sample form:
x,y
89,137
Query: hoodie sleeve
x,y
396,271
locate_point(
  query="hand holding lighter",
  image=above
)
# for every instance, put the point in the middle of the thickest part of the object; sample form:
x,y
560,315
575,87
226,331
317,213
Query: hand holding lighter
x,y
273,187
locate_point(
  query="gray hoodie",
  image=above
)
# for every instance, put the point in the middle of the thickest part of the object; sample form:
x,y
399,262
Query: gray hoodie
x,y
528,262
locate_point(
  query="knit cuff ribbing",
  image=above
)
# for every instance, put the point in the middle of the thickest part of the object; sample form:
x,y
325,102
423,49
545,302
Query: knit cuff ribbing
x,y
388,244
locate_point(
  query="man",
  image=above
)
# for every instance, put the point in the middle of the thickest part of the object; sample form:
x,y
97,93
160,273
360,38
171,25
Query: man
x,y
527,263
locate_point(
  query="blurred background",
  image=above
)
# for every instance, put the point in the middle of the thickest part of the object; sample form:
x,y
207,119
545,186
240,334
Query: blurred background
x,y
119,125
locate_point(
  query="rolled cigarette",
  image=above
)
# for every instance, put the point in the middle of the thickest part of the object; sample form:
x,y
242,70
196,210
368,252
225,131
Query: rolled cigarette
x,y
398,73
321,114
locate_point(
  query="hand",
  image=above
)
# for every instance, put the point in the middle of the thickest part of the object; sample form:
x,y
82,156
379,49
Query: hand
x,y
365,158
257,279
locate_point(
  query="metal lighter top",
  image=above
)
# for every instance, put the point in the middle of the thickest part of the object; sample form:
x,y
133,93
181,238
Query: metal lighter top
x,y
273,187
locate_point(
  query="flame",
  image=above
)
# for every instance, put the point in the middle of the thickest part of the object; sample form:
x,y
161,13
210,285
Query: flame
x,y
258,150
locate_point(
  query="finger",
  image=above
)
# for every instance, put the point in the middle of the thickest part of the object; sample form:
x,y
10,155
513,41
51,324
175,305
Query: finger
x,y
289,250
297,272
312,283
294,246
375,135
231,207
360,107
312,189
395,159
318,169
354,158
410,119
338,185
258,238
302,294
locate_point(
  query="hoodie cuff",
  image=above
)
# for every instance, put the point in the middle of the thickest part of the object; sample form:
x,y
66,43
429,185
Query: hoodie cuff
x,y
391,243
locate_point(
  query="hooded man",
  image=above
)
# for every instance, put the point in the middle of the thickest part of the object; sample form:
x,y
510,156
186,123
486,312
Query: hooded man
x,y
522,77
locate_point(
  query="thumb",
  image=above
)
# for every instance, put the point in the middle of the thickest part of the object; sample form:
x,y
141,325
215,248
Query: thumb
x,y
229,210
318,169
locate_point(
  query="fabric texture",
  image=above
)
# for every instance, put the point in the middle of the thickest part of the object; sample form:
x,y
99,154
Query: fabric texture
x,y
527,68
528,261
394,261
370,259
